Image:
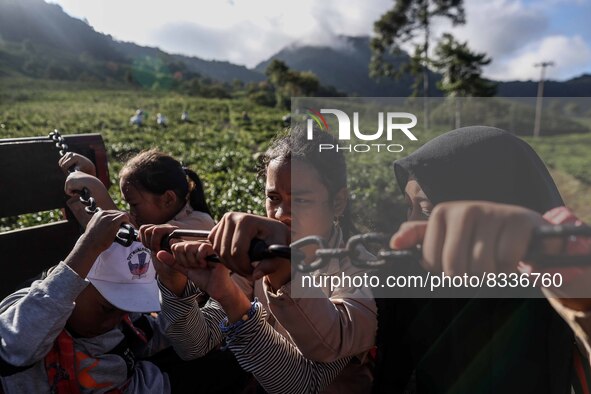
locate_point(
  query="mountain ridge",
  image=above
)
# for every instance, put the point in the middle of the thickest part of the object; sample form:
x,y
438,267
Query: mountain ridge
x,y
38,39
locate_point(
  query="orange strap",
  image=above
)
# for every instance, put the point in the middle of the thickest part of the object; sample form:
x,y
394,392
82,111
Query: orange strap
x,y
59,364
61,369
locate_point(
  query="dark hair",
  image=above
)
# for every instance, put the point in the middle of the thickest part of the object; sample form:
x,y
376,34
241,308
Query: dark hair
x,y
157,172
329,164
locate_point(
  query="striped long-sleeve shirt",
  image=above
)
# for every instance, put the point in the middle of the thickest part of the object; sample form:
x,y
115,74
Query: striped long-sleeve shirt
x,y
276,363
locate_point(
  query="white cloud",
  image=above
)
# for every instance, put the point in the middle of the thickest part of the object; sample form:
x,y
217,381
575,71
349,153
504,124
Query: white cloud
x,y
241,31
244,43
249,31
517,35
267,26
552,3
498,27
569,54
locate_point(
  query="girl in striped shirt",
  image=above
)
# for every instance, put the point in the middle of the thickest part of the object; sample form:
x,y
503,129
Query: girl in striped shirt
x,y
291,344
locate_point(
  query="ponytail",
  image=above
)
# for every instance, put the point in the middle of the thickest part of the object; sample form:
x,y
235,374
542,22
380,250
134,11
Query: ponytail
x,y
196,192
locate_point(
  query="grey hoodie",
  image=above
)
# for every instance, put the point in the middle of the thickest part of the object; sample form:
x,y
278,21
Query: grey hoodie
x,y
32,318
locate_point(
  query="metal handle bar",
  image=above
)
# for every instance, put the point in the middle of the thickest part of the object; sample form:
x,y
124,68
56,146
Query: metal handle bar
x,y
258,250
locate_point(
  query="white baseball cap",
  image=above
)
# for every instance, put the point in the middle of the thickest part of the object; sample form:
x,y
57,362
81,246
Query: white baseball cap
x,y
126,277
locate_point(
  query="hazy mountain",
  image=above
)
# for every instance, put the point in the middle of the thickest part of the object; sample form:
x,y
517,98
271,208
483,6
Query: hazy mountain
x,y
345,65
47,25
576,87
218,70
38,39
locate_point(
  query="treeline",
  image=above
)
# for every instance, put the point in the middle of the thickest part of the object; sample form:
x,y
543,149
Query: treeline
x,y
34,60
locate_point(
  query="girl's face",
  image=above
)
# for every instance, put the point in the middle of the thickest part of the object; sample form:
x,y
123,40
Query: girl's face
x,y
304,205
419,206
146,207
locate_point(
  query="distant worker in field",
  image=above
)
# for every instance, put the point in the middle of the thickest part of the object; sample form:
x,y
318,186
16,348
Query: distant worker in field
x,y
161,120
138,118
185,117
286,120
245,117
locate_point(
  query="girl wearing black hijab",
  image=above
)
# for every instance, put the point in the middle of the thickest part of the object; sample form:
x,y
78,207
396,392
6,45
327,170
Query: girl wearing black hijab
x,y
474,345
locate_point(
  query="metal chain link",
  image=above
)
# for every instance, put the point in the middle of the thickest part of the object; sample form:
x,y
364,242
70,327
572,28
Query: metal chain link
x,y
355,246
127,234
85,198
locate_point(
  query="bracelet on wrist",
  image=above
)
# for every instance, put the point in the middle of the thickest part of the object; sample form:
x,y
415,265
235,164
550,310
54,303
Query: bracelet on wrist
x,y
226,328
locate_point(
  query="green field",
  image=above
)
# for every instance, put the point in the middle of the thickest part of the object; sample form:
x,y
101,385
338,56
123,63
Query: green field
x,y
222,147
217,143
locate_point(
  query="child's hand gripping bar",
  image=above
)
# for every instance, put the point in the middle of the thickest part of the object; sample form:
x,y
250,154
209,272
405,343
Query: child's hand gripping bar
x,y
126,234
258,250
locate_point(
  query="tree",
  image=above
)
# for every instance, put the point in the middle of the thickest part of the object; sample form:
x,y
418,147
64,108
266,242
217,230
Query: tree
x,y
462,71
129,77
409,21
290,83
302,83
277,72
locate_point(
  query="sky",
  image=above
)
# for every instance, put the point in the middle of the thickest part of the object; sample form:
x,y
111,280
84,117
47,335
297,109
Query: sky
x,y
516,33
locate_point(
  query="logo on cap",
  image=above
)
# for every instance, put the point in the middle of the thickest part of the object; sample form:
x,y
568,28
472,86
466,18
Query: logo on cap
x,y
138,262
